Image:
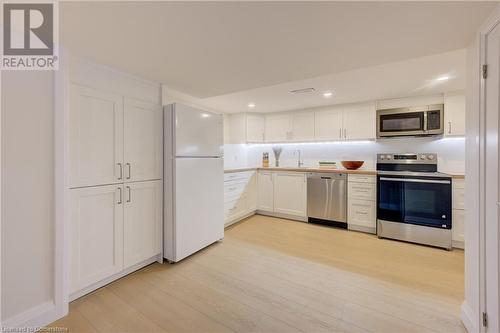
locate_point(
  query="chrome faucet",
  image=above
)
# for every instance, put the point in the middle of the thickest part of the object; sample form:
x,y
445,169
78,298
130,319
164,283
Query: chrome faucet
x,y
300,163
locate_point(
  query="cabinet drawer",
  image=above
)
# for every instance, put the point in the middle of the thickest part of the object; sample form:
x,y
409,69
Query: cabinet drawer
x,y
245,175
235,208
458,198
233,189
372,179
365,191
361,213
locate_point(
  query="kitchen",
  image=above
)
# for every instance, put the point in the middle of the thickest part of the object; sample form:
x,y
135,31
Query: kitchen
x,y
193,182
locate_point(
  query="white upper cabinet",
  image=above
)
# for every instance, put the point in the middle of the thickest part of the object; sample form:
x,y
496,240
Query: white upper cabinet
x,y
278,127
95,137
142,221
302,126
359,122
143,138
328,124
454,114
255,127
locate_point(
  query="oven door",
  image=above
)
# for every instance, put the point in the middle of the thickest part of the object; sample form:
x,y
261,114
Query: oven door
x,y
415,200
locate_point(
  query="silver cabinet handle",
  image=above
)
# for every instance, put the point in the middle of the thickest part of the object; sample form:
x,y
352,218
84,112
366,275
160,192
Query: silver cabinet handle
x,y
449,127
121,171
120,201
345,133
129,194
129,170
340,133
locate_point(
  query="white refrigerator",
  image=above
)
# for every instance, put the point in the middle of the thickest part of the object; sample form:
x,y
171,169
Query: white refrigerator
x,y
193,180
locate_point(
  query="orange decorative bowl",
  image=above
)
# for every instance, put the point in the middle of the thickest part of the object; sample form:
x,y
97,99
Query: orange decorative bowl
x,y
352,165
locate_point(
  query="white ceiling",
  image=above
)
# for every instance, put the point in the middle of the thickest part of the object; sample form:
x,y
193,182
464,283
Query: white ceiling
x,y
412,77
207,49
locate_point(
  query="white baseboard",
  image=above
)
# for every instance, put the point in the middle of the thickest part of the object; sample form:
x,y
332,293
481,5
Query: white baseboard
x,y
102,283
370,230
36,317
238,219
283,216
458,244
468,318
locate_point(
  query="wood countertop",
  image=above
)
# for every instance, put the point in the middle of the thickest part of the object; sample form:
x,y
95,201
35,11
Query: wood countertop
x,y
307,169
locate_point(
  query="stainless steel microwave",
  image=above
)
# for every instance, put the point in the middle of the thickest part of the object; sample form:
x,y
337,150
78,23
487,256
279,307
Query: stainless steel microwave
x,y
411,121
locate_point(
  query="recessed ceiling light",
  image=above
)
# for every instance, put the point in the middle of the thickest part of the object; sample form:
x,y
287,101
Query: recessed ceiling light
x,y
327,94
251,105
443,78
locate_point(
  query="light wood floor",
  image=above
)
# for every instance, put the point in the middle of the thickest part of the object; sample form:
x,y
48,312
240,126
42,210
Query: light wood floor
x,y
275,275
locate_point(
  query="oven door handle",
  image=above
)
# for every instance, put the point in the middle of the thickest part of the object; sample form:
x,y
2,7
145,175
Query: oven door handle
x,y
409,180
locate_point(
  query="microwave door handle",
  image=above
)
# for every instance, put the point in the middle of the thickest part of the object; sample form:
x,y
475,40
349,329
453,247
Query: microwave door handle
x,y
425,121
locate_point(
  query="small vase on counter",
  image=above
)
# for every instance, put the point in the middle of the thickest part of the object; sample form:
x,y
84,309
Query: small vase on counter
x,y
265,160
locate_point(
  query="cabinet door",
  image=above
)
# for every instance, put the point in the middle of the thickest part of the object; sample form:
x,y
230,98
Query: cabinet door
x,y
302,126
290,196
95,137
251,193
328,124
143,137
457,227
96,234
142,221
255,127
454,115
265,191
277,127
359,122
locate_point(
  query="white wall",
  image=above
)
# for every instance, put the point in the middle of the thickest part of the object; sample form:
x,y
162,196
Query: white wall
x,y
451,152
27,191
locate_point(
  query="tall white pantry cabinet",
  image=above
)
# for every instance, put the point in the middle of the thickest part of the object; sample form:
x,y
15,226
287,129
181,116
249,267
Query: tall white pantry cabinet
x,y
115,175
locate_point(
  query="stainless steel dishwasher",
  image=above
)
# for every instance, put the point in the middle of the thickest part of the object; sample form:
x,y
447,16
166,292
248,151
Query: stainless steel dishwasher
x,y
327,198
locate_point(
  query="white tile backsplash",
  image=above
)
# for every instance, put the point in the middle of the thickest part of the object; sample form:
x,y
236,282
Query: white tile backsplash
x,y
451,152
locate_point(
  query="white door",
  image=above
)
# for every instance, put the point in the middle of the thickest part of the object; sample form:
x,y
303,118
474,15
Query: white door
x,y
96,234
143,138
302,126
143,204
198,133
491,182
290,195
277,127
328,124
454,114
255,127
265,191
95,137
359,122
199,204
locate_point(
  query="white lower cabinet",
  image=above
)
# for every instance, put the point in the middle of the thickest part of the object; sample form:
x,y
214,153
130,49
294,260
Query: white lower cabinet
x,y
96,234
290,193
112,228
240,196
282,194
142,221
362,203
458,213
265,192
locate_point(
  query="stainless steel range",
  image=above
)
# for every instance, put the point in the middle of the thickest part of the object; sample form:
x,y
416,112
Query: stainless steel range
x,y
413,199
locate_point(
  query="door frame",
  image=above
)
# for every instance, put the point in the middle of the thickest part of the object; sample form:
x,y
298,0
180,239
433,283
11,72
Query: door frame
x,y
475,257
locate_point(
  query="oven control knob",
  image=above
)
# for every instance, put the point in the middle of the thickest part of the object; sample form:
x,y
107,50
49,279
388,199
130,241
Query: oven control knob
x,y
388,157
423,157
430,157
382,157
